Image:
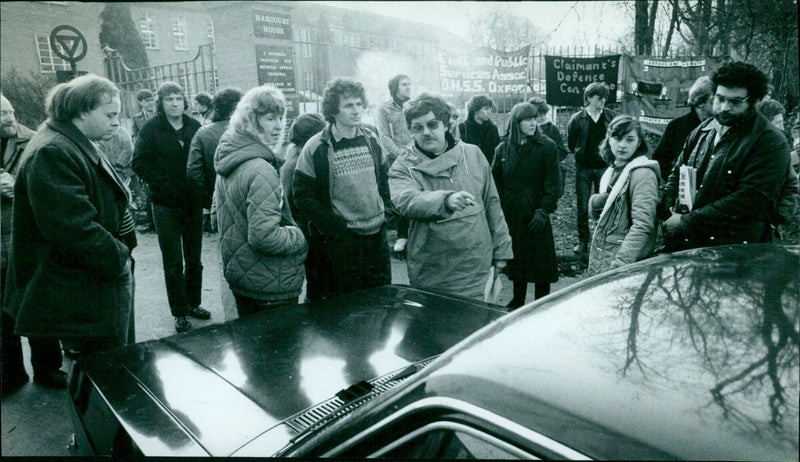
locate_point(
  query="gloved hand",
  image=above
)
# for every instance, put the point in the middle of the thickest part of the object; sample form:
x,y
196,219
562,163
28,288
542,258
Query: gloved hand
x,y
539,220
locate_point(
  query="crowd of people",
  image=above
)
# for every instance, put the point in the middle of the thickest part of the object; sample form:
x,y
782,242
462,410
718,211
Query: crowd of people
x,y
466,202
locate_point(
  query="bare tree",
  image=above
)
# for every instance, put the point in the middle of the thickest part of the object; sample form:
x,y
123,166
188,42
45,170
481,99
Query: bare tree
x,y
501,30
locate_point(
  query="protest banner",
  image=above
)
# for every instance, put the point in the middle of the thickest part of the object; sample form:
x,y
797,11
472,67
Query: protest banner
x,y
567,77
657,90
484,71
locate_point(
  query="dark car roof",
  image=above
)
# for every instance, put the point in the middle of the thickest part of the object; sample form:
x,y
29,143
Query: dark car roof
x,y
215,389
693,356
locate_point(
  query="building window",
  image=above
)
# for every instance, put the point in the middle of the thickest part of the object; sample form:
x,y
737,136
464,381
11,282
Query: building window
x,y
48,61
305,47
308,81
210,30
147,27
179,32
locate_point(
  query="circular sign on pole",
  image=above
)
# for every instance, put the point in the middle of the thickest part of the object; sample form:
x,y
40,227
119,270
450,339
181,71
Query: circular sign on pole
x,y
68,43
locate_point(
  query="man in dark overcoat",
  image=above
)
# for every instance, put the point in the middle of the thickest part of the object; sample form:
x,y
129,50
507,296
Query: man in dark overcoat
x,y
69,274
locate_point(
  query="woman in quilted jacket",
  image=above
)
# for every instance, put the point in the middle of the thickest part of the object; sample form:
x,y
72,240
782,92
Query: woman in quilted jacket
x,y
625,207
262,247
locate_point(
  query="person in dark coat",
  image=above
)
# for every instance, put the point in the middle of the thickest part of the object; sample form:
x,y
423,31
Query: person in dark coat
x,y
317,264
525,170
550,130
678,129
69,275
478,128
200,165
159,158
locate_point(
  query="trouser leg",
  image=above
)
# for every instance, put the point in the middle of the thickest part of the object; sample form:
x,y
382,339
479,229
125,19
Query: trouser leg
x,y
168,228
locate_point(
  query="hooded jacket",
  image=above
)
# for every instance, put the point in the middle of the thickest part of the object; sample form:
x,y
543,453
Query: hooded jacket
x,y
262,248
450,251
626,228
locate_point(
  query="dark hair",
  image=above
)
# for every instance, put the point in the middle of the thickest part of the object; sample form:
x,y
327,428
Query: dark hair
x,y
225,102
304,127
204,99
595,89
394,83
143,94
425,103
166,89
83,94
477,103
737,74
337,89
770,108
621,125
540,105
519,112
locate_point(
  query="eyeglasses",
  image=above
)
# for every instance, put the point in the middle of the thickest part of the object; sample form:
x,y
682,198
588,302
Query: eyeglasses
x,y
432,125
733,102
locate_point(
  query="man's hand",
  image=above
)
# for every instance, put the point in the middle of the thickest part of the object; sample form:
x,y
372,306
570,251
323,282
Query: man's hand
x,y
673,223
459,201
539,221
6,184
499,265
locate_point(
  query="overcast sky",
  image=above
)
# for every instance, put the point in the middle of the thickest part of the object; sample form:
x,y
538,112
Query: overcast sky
x,y
570,22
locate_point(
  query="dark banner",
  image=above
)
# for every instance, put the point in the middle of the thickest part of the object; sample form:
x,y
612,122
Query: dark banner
x,y
272,25
484,71
567,77
657,90
276,67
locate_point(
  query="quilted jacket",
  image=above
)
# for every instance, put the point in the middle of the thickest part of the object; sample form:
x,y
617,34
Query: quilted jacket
x,y
262,248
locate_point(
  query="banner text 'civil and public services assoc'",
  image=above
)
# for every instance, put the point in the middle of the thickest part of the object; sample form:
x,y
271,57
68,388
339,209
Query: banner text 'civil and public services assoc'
x,y
484,71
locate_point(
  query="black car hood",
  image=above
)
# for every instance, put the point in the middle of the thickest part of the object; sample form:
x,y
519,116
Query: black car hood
x,y
215,389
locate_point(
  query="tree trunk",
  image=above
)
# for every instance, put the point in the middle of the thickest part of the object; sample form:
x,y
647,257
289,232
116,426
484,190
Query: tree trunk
x,y
672,23
640,27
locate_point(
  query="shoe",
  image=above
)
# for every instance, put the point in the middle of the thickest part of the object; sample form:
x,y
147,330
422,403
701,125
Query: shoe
x,y
12,383
580,248
199,313
400,245
52,379
182,324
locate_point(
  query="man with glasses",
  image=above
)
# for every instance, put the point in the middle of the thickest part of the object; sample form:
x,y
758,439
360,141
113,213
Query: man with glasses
x,y
741,161
457,229
585,131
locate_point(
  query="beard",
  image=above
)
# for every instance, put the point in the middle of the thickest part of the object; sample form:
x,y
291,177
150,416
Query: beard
x,y
730,120
8,130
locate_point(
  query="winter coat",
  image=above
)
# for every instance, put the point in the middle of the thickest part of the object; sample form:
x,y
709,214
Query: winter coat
x,y
159,158
69,273
483,135
578,134
527,179
200,164
626,229
262,248
394,134
12,160
119,151
743,176
450,251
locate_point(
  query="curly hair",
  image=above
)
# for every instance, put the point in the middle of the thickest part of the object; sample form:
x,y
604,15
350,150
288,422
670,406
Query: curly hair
x,y
619,127
541,106
737,74
225,102
478,102
261,100
425,103
83,94
166,89
337,89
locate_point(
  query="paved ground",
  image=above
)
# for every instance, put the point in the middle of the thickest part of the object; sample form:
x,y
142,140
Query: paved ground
x,y
36,420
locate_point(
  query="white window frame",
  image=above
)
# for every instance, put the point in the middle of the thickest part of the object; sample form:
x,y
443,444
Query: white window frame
x,y
147,30
305,38
210,30
179,33
48,61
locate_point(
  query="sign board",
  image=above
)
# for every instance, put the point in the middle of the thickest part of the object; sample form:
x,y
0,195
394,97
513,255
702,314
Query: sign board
x,y
567,77
657,90
484,71
68,43
272,25
276,67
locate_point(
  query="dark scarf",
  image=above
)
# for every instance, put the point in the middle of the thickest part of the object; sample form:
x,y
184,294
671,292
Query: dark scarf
x,y
451,142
